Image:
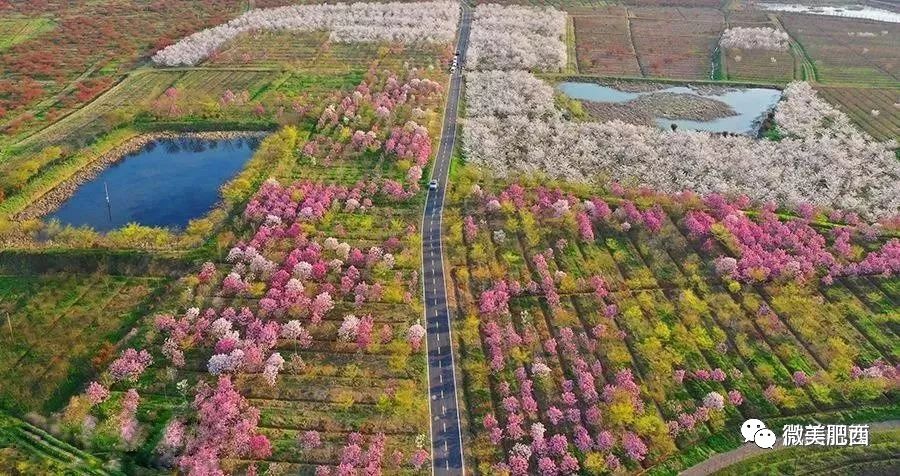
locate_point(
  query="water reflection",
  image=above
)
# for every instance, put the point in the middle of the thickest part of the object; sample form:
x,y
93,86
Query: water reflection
x,y
751,105
848,11
166,183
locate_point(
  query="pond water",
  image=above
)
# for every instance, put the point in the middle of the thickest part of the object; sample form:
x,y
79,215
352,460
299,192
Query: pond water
x,y
750,104
166,183
849,11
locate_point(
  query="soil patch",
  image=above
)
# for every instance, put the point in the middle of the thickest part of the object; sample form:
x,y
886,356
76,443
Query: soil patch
x,y
642,110
682,106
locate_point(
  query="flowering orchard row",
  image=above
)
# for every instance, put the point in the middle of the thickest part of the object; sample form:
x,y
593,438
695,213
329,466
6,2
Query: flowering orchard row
x,y
750,38
301,347
79,51
351,22
387,116
284,296
515,37
601,332
314,51
823,159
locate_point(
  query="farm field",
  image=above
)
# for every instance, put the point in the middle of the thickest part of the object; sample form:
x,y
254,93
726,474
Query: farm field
x,y
876,111
603,42
291,328
331,386
43,160
194,98
570,5
651,42
45,76
17,30
848,51
303,51
614,336
675,3
198,90
758,65
56,327
850,58
559,4
354,129
678,42
85,123
256,95
675,49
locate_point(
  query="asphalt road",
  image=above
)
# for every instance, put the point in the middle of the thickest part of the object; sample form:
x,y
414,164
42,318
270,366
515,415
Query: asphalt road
x,y
446,436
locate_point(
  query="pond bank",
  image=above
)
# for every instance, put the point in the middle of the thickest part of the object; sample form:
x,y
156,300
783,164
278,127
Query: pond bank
x,y
642,84
56,197
711,108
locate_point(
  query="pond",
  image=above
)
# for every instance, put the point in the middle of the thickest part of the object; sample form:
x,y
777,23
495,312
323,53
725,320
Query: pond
x,y
166,183
849,11
749,105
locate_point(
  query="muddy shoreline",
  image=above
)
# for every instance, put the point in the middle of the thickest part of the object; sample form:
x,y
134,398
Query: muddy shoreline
x,y
651,86
681,106
53,199
643,109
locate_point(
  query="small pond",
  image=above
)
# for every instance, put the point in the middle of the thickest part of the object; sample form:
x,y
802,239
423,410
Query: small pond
x,y
849,11
750,104
166,183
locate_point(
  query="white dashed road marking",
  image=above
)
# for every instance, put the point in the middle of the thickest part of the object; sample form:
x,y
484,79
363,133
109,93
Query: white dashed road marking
x,y
435,296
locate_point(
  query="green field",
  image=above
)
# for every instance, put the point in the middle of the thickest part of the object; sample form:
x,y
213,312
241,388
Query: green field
x,y
672,312
54,326
18,30
875,110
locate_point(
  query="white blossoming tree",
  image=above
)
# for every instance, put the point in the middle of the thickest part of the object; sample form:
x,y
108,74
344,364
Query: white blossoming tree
x,y
823,160
754,38
506,93
347,23
515,37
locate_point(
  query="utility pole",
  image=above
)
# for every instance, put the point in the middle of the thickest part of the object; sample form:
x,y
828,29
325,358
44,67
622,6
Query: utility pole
x,y
108,206
8,322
